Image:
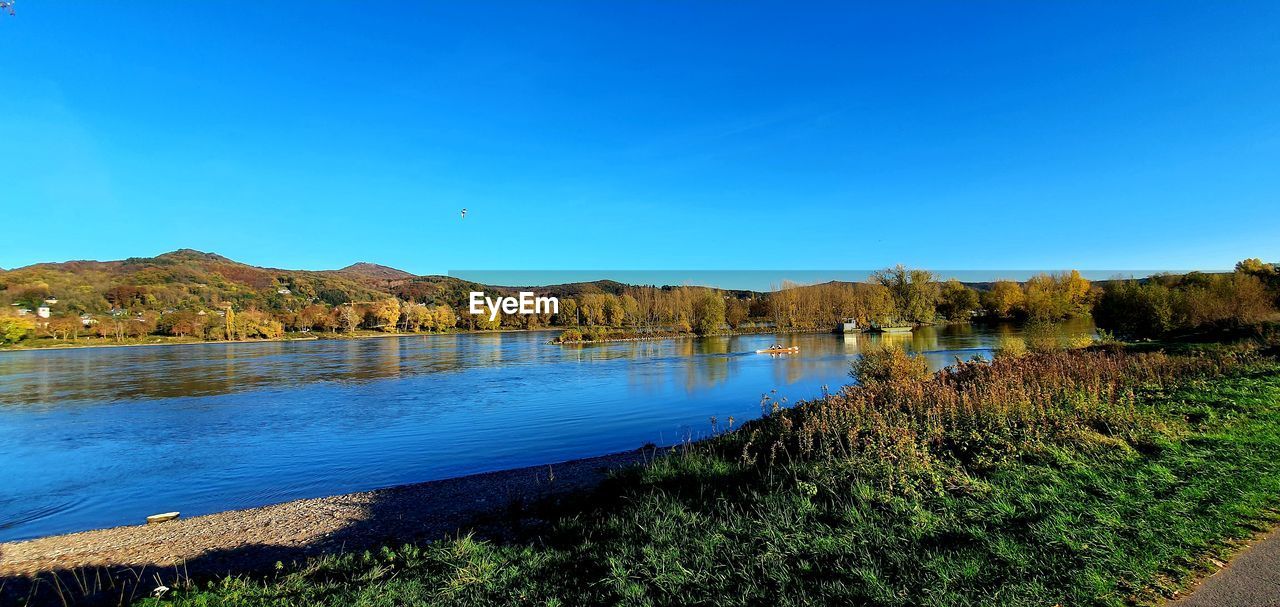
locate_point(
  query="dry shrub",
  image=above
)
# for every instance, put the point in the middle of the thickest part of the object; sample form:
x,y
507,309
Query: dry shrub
x,y
888,363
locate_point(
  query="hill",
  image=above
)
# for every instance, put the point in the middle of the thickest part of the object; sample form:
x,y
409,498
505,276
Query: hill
x,y
191,279
373,270
179,279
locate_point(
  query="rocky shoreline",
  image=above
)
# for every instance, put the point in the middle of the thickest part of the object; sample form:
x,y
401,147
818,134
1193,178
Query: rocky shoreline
x,y
245,540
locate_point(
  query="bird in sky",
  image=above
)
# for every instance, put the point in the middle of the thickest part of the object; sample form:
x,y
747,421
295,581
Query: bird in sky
x,y
464,213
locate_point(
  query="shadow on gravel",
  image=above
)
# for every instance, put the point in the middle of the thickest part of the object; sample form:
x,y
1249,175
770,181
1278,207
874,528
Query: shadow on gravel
x,y
490,505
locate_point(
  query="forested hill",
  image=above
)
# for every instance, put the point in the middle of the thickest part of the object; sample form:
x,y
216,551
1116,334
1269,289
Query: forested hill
x,y
194,279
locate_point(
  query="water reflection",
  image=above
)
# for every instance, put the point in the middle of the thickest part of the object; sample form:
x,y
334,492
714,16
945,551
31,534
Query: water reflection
x,y
100,437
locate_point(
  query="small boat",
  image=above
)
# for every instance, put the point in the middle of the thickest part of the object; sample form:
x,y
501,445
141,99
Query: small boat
x,y
790,350
160,518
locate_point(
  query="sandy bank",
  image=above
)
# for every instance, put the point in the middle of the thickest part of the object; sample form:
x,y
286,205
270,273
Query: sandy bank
x,y
246,539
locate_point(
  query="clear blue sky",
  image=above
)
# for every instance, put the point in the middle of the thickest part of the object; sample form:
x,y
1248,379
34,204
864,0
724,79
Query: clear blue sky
x,y
643,135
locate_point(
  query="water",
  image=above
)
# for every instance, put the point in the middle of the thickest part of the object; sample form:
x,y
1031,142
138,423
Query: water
x,y
99,437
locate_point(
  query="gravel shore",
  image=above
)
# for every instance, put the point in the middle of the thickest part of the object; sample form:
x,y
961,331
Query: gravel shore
x,y
241,540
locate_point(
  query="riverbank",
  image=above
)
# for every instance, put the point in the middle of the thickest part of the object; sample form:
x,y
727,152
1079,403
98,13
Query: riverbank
x,y
44,343
257,538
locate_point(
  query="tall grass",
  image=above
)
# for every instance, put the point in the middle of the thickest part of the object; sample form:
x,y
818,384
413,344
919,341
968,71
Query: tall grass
x,y
978,413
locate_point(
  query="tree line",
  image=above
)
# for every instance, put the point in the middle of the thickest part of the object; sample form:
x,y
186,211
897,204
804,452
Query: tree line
x,y
1172,305
899,295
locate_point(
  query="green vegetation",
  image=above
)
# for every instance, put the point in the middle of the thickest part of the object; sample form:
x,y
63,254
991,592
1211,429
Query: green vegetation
x,y
1044,297
1064,477
15,328
914,292
1191,304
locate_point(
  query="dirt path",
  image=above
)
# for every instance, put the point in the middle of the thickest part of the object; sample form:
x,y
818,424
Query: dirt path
x,y
1251,579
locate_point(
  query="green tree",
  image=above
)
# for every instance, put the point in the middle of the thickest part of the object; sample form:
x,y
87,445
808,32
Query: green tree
x,y
915,292
957,301
1043,299
230,318
1254,265
1004,300
568,316
15,328
1133,310
708,312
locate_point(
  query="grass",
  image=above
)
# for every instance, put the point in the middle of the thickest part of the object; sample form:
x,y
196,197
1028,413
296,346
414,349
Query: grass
x,y
1082,478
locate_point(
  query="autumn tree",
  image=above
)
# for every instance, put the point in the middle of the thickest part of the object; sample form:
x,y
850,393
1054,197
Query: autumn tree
x,y
64,327
568,316
484,323
414,317
229,321
1254,266
349,318
385,313
309,317
252,324
140,324
873,303
1134,310
443,318
1003,300
736,313
915,292
181,323
1056,296
956,301
15,328
708,312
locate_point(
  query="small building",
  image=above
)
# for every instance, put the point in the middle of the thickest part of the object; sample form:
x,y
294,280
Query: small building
x,y
848,325
87,320
42,311
24,311
283,291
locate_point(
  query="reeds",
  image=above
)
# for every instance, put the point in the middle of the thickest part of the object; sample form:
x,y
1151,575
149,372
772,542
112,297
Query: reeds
x,y
980,412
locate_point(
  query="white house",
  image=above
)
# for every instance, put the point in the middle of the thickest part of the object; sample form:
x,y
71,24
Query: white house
x,y
42,311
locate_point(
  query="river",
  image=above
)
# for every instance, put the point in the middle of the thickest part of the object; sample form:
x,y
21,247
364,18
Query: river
x,y
98,437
